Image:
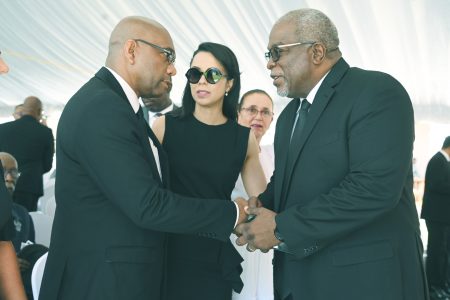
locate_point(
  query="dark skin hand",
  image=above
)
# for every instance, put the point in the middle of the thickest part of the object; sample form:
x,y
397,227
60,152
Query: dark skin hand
x,y
258,233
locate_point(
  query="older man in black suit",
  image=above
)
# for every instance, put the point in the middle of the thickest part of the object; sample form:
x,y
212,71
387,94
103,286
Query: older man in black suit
x,y
339,207
108,237
436,212
31,143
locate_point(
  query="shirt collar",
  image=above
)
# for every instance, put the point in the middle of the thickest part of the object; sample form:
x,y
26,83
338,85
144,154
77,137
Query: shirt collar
x,y
313,92
129,92
447,157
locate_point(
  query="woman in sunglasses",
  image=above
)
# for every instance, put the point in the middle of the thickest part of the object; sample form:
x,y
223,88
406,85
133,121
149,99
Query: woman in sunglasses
x,y
207,150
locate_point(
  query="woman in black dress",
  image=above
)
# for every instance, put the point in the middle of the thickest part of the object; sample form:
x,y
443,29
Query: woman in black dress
x,y
207,150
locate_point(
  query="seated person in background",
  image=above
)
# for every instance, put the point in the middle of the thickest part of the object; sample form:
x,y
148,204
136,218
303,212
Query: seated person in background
x,y
23,224
255,110
10,283
23,227
156,107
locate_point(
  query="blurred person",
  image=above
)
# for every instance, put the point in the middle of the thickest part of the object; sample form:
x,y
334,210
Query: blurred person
x,y
207,150
11,287
3,66
256,112
113,209
31,143
23,224
339,207
18,110
156,107
436,212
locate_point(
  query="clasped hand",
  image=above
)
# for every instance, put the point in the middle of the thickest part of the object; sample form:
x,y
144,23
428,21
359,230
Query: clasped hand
x,y
259,232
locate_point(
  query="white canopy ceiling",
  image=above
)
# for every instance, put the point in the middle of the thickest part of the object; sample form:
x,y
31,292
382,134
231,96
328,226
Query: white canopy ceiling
x,y
53,47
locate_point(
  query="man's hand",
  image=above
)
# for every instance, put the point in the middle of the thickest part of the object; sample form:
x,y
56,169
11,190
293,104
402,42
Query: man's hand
x,y
259,233
254,202
242,204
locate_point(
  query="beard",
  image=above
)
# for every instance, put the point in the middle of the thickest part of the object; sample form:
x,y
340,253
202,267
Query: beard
x,y
283,91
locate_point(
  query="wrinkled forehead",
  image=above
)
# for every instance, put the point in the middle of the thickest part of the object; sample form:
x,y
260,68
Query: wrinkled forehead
x,y
282,33
259,100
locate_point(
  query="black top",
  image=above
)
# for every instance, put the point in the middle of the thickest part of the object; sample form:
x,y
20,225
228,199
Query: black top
x,y
205,162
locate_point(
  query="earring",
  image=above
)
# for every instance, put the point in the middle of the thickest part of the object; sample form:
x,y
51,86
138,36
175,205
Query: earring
x,y
226,93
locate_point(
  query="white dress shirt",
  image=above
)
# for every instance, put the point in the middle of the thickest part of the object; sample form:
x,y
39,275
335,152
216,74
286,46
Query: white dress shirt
x,y
134,102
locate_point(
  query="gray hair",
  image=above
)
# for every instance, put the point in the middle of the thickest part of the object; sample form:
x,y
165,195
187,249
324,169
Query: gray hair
x,y
313,25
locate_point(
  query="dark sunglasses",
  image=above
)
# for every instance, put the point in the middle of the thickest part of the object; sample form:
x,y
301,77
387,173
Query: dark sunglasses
x,y
212,75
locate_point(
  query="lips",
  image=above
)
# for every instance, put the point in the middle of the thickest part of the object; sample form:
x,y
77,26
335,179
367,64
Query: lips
x,y
169,84
276,78
256,126
202,93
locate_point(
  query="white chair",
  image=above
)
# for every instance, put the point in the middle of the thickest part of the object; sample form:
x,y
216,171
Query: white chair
x,y
42,227
36,275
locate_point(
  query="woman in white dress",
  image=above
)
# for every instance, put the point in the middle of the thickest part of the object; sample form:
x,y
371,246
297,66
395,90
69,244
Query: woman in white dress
x,y
256,112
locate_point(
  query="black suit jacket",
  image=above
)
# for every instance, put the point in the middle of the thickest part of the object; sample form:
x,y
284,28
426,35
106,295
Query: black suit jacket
x,y
436,197
108,237
346,209
31,144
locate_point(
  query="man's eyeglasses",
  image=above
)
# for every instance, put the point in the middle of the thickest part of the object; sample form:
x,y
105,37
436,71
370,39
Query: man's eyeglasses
x,y
13,172
253,111
275,52
212,75
169,53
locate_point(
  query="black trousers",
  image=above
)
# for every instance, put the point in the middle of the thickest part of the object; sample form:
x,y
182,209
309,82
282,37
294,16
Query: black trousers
x,y
437,259
27,200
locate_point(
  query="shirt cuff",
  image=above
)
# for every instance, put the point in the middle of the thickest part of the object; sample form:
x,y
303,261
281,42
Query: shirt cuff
x,y
237,214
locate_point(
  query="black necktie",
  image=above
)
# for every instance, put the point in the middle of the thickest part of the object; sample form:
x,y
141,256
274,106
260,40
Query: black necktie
x,y
140,113
158,114
302,113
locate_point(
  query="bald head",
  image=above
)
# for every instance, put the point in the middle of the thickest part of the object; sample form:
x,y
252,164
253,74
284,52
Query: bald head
x,y
10,168
131,28
141,52
32,106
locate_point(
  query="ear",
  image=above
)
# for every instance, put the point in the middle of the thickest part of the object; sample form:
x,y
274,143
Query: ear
x,y
229,85
129,50
319,53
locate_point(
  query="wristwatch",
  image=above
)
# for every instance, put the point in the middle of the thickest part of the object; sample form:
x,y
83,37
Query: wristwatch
x,y
278,235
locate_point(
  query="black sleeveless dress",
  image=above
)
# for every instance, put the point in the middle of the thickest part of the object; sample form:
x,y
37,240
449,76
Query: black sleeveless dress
x,y
205,162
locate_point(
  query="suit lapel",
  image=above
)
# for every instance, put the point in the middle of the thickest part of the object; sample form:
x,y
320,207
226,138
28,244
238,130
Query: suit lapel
x,y
284,127
321,100
105,75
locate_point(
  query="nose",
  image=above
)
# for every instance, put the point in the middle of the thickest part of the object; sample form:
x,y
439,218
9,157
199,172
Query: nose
x,y
171,70
202,79
270,64
9,178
